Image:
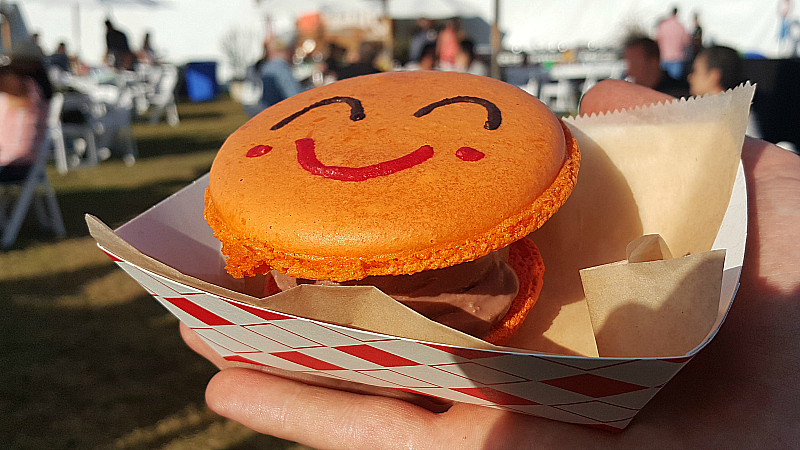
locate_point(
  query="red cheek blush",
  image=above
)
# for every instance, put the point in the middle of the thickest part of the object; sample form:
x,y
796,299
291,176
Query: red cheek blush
x,y
469,154
258,150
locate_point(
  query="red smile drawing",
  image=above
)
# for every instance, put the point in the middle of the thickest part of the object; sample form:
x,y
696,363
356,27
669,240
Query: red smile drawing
x,y
307,158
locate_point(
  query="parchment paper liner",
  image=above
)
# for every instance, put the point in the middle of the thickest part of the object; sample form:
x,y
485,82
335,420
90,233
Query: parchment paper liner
x,y
666,169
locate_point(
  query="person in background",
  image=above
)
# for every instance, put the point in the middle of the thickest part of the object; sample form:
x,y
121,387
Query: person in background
x,y
25,92
427,59
273,69
466,62
694,48
642,56
672,40
118,52
785,40
447,44
426,35
742,390
365,65
60,59
717,69
697,37
35,46
334,62
146,54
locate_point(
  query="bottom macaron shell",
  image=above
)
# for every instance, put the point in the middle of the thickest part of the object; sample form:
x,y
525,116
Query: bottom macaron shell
x,y
528,264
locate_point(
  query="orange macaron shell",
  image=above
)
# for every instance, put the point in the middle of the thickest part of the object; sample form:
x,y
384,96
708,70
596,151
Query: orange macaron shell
x,y
434,207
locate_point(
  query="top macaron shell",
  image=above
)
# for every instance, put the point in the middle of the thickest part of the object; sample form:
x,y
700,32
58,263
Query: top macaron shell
x,y
438,202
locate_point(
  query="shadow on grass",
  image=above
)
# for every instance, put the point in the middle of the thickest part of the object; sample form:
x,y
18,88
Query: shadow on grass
x,y
199,115
114,206
175,145
84,375
79,377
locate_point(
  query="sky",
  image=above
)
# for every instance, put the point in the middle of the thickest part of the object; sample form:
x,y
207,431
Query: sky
x,y
193,30
182,31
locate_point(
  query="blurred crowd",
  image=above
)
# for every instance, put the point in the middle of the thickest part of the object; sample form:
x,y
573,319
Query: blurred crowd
x,y
671,59
29,78
434,46
675,61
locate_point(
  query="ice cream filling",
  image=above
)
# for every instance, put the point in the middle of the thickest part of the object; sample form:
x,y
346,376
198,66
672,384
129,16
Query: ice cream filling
x,y
470,297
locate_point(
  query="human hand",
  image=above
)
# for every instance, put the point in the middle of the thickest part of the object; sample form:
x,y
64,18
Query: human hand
x,y
741,390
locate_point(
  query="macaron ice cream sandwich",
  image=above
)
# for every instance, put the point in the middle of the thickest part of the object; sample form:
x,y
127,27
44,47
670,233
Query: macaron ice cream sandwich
x,y
422,184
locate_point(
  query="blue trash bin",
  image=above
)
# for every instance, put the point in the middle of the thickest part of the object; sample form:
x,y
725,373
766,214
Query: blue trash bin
x,y
201,80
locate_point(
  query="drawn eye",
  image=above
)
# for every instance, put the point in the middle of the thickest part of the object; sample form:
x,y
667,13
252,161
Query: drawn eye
x,y
356,110
493,119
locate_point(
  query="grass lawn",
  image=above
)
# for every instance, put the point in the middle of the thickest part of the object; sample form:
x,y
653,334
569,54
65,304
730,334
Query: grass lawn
x,y
88,358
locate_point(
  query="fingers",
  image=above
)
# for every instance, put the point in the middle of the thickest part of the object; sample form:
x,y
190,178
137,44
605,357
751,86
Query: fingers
x,y
773,185
608,95
319,417
330,419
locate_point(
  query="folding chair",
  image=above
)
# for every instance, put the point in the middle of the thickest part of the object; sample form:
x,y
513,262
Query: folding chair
x,y
80,133
559,96
34,190
163,98
114,126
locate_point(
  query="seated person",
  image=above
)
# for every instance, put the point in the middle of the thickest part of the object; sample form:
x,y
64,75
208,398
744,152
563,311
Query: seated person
x,y
717,69
427,59
367,54
60,58
466,61
276,77
24,94
644,67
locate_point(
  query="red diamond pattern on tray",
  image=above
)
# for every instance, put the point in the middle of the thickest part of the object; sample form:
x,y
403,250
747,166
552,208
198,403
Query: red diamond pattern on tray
x,y
495,396
112,256
467,353
315,332
564,383
376,355
599,408
412,391
480,373
238,358
197,311
306,360
214,336
593,386
278,334
399,379
262,313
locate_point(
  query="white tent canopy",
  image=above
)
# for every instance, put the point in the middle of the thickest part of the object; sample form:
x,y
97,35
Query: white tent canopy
x,y
747,25
187,30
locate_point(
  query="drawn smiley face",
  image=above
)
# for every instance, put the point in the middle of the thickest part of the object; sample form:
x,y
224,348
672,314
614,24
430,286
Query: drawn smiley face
x,y
307,158
435,156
